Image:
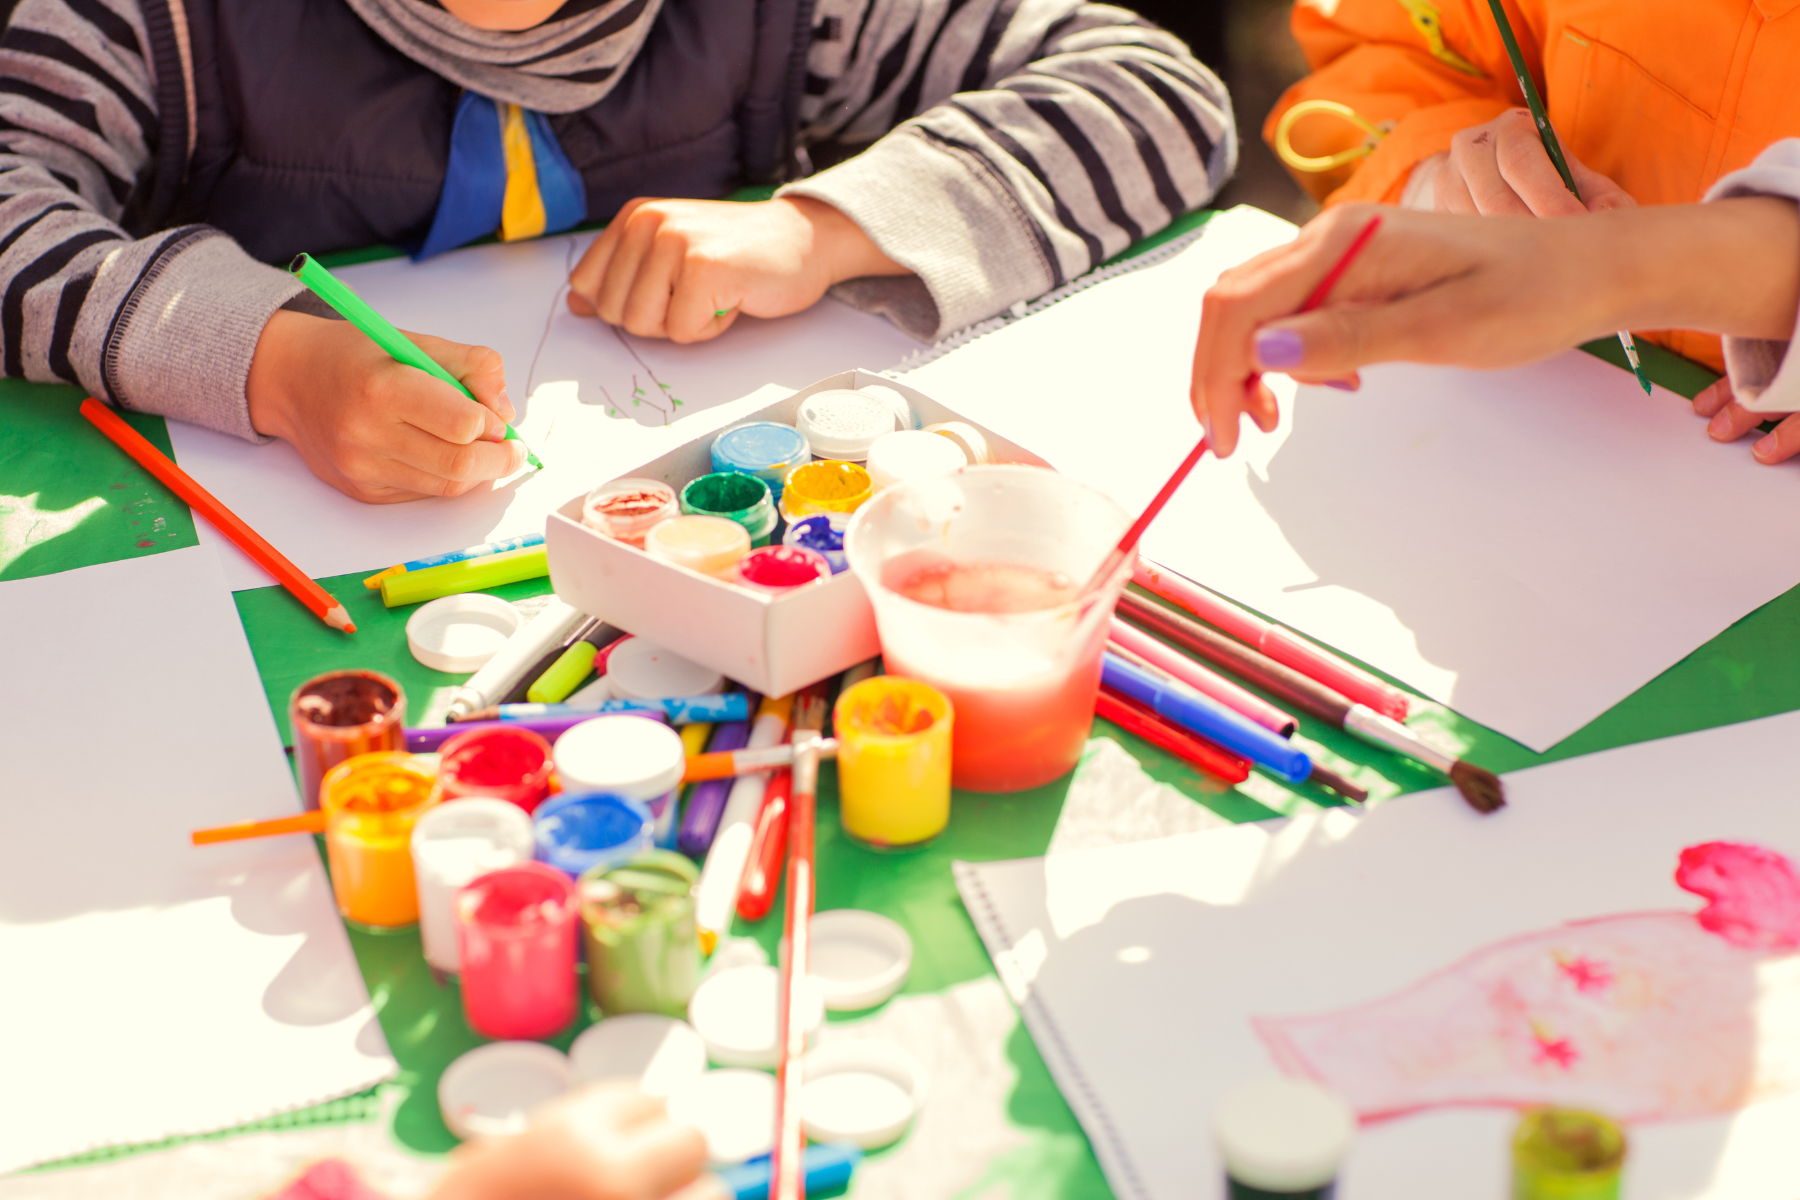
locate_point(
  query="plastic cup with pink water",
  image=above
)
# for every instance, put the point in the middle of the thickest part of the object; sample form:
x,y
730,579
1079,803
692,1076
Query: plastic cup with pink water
x,y
976,581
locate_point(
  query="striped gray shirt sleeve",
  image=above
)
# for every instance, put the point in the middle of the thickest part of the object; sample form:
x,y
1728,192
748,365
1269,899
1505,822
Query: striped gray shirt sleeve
x,y
1030,141
80,300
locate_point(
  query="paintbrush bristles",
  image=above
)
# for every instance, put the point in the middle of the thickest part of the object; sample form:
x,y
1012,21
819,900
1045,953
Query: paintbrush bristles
x,y
1480,787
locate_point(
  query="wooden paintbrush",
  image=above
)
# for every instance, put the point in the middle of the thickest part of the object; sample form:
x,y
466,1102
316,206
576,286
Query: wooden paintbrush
x,y
1480,787
788,1180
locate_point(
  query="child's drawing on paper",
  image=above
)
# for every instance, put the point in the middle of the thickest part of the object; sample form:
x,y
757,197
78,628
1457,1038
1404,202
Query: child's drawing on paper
x,y
1643,1016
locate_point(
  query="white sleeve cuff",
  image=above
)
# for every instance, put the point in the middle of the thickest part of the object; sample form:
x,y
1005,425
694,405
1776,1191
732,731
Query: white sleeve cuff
x,y
1762,381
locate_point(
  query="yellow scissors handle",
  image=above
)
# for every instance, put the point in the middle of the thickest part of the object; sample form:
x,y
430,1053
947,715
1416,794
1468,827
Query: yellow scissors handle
x,y
1284,147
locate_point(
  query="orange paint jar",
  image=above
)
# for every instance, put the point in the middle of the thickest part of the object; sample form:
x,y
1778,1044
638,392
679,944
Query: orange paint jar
x,y
370,803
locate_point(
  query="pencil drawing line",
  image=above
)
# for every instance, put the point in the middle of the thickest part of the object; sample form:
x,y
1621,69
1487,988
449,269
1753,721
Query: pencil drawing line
x,y
550,317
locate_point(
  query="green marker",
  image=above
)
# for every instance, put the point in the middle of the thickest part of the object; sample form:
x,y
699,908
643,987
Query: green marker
x,y
379,330
470,575
564,675
1553,148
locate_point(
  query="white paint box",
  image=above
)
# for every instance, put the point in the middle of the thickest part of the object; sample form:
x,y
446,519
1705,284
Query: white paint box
x,y
774,644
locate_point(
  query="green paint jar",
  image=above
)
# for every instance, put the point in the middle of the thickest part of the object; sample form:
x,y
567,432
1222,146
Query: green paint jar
x,y
736,497
1567,1154
643,948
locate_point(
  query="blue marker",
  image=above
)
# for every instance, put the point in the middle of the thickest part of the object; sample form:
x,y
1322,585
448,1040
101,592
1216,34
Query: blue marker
x,y
678,710
1208,718
828,1168
524,540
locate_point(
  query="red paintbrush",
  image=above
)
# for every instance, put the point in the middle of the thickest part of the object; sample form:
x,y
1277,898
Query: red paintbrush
x,y
788,1168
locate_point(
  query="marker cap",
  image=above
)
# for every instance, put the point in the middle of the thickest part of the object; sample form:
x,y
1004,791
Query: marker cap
x,y
493,1089
460,633
660,1054
737,1012
841,424
1283,1135
859,958
629,755
861,1091
733,1110
642,670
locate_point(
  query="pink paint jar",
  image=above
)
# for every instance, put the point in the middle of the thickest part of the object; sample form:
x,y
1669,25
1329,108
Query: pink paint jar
x,y
627,509
517,931
778,568
506,764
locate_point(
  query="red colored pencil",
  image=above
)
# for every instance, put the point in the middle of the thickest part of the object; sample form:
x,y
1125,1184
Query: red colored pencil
x,y
1133,717
322,602
788,1175
1283,645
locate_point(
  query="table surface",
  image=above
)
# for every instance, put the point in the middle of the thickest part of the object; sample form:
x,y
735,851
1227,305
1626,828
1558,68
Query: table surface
x,y
53,465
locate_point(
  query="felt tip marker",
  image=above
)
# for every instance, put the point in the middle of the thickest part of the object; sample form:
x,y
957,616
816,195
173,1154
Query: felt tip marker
x,y
679,710
380,330
1206,717
828,1167
522,542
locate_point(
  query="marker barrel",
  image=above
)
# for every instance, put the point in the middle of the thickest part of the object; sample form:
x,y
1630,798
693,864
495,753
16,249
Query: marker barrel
x,y
1208,718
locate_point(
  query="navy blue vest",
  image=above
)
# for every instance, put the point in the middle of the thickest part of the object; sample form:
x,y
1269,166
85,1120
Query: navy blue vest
x,y
312,133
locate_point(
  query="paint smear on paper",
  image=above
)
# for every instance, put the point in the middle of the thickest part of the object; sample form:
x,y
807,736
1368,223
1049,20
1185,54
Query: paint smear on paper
x,y
1643,1016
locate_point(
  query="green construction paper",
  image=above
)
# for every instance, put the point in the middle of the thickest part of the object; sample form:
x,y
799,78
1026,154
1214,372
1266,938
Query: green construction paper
x,y
68,496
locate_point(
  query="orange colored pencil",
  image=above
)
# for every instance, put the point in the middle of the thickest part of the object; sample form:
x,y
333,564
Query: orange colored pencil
x,y
322,602
307,822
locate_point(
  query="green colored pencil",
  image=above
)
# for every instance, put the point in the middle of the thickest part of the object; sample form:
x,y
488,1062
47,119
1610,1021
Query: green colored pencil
x,y
380,330
1553,148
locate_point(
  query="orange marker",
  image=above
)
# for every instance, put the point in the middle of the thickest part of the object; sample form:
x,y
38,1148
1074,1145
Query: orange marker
x,y
323,604
308,822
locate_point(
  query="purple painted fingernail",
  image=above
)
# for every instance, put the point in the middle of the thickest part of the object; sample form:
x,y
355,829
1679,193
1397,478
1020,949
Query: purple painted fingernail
x,y
1341,385
1279,348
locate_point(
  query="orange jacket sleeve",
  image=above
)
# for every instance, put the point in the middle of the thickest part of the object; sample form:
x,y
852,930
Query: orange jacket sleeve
x,y
1369,55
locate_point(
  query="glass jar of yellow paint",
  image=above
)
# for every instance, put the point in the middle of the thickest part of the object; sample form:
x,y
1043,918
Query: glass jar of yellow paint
x,y
825,486
370,803
893,760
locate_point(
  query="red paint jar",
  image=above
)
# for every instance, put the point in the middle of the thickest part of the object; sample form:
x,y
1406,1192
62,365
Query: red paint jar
x,y
516,931
506,764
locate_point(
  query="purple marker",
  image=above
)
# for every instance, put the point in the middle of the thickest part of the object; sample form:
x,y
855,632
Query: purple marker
x,y
706,803
427,741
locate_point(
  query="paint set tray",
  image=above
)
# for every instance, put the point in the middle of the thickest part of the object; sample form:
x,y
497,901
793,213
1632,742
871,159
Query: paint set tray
x,y
773,643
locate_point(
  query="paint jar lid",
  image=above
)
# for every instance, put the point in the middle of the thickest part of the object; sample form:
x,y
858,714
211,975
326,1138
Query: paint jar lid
x,y
823,532
859,958
460,633
912,454
733,1110
657,1053
967,437
631,755
1283,1135
861,1091
737,1012
577,832
709,545
493,1089
841,424
642,670
627,509
904,413
765,449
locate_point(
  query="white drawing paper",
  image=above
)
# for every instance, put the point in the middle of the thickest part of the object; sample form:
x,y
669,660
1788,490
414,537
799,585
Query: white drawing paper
x,y
1441,968
1526,546
593,401
153,987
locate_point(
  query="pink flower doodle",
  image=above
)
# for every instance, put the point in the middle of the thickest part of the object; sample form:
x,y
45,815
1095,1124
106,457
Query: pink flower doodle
x,y
1644,1016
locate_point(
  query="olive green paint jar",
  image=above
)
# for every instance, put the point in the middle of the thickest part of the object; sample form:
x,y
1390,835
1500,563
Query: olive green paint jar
x,y
1567,1154
643,948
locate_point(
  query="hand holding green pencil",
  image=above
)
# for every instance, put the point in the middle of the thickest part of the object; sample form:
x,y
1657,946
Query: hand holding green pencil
x,y
379,329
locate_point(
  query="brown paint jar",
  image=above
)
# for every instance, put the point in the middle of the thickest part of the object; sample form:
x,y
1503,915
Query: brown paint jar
x,y
340,715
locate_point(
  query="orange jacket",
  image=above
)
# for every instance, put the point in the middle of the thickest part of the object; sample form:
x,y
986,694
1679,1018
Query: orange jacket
x,y
1662,96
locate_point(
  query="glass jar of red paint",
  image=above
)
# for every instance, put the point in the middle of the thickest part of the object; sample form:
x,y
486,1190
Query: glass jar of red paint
x,y
505,764
516,934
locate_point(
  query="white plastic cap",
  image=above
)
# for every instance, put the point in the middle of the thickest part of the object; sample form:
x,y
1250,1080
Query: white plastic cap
x,y
841,424
737,1013
637,757
1283,1135
733,1110
658,1053
460,633
493,1089
639,669
859,1090
903,409
912,454
859,958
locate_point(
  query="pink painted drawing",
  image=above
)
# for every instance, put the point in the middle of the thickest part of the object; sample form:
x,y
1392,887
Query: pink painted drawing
x,y
1643,1016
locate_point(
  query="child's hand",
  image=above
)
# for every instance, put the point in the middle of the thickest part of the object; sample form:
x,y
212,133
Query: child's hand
x,y
611,1142
375,429
1729,421
1501,169
669,268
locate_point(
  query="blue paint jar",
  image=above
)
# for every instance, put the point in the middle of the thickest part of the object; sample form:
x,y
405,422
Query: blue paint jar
x,y
580,831
823,532
765,449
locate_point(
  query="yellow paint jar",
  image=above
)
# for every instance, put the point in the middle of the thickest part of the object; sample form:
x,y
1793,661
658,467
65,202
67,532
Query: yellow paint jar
x,y
893,760
825,486
370,803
